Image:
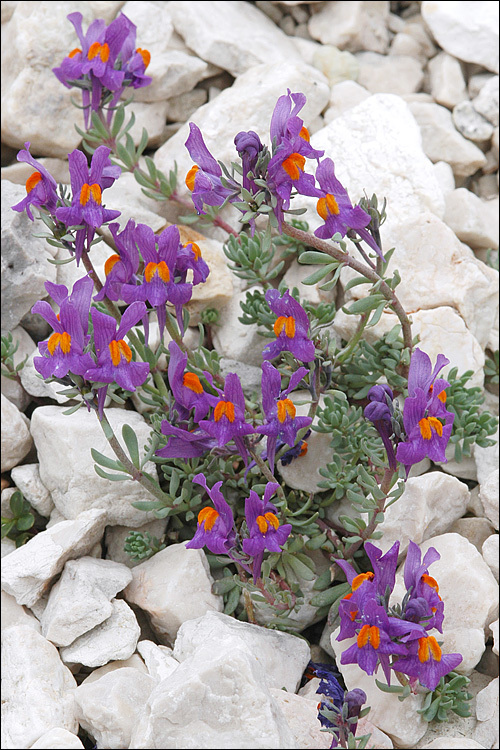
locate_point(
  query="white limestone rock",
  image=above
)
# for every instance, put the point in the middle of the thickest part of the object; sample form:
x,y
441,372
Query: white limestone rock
x,y
34,384
335,64
126,193
24,266
236,709
488,494
466,584
15,435
174,72
490,553
250,376
442,142
109,708
445,177
247,105
420,513
476,530
399,720
440,330
301,715
111,640
153,117
133,662
344,96
181,107
175,585
486,731
81,599
14,614
11,389
67,468
471,124
406,45
447,81
467,31
282,656
27,479
389,74
19,172
37,689
58,738
486,102
468,642
159,660
449,743
28,570
352,26
473,220
233,339
215,32
116,535
486,459
494,630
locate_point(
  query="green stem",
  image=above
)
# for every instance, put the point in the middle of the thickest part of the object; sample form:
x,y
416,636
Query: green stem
x,y
268,474
366,533
364,270
348,350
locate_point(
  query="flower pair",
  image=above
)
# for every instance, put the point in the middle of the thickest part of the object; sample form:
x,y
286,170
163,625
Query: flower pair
x,y
216,531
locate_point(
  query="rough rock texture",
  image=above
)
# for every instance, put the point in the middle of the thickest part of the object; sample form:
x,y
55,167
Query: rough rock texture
x,y
58,738
72,480
37,689
15,436
447,80
11,389
490,553
283,657
389,74
172,587
352,25
488,495
28,570
27,479
14,614
473,220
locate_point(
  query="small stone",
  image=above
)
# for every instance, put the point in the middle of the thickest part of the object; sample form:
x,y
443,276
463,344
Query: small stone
x,y
471,124
28,570
58,738
452,23
153,117
180,108
11,389
114,639
159,659
133,662
110,708
444,176
407,46
486,731
468,642
301,715
282,656
494,630
473,220
27,479
116,535
37,689
486,458
15,436
175,585
392,74
14,614
335,64
80,599
476,530
449,743
447,80
490,553
442,142
352,25
489,497
19,172
344,96
486,102
236,340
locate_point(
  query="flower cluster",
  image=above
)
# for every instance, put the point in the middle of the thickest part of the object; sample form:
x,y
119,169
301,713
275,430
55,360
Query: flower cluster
x,y
216,528
106,63
395,637
283,171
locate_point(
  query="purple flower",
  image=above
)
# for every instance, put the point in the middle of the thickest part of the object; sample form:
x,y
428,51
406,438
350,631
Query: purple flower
x,y
423,588
291,328
87,185
215,528
228,418
249,148
189,258
183,443
158,286
114,356
204,178
263,527
427,662
186,387
380,411
40,186
280,412
423,410
63,352
120,268
336,210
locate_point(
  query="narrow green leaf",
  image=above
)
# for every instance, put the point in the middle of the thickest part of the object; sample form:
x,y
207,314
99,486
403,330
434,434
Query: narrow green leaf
x,y
118,120
312,257
143,142
223,585
132,444
111,477
318,275
108,463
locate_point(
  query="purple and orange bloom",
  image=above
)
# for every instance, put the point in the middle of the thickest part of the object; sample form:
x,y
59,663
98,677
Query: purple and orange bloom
x,y
426,661
291,328
184,443
264,527
158,285
279,410
87,186
424,413
215,528
63,352
120,268
186,386
228,417
40,186
204,178
335,208
189,258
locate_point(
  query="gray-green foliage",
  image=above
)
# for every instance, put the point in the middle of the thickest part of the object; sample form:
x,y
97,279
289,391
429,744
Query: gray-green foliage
x,y
8,348
471,425
449,695
141,545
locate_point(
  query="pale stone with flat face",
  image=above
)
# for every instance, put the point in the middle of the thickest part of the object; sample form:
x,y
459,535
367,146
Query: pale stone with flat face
x,y
352,25
15,437
58,738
